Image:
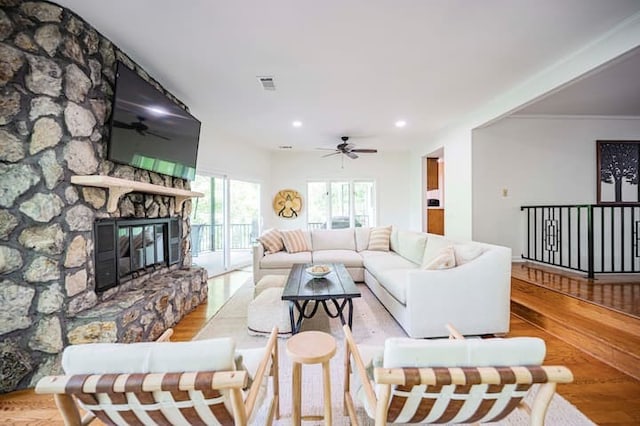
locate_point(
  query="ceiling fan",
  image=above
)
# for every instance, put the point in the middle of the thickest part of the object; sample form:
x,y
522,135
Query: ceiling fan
x,y
138,126
348,149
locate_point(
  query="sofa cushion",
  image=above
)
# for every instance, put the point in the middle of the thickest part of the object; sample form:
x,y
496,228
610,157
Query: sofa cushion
x,y
333,239
435,245
271,239
405,352
395,282
362,238
284,260
149,357
379,238
296,241
378,262
350,258
445,260
409,244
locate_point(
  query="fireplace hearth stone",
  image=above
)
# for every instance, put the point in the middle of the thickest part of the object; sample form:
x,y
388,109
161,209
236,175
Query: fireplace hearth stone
x,y
141,314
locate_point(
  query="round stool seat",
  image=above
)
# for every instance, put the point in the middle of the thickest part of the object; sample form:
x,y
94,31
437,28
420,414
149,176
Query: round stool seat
x,y
311,347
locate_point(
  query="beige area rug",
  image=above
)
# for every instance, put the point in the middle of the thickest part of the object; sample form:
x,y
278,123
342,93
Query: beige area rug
x,y
371,325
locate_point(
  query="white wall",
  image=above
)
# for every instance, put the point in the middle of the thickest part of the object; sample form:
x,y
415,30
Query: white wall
x,y
218,156
456,137
457,182
390,170
538,161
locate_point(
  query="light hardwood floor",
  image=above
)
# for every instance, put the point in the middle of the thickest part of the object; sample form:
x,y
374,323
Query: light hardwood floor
x,y
619,292
604,394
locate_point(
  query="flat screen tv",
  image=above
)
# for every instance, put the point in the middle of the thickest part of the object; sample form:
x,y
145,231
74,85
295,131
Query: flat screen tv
x,y
149,131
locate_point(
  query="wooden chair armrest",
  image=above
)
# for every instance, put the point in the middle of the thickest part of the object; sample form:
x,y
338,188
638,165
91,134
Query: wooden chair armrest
x,y
271,350
454,333
153,382
360,368
166,336
430,376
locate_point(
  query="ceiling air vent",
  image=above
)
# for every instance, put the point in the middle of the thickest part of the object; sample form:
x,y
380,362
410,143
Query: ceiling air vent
x,y
267,82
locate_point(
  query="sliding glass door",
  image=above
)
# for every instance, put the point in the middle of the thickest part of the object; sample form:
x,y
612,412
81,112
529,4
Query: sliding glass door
x,y
244,216
208,223
224,223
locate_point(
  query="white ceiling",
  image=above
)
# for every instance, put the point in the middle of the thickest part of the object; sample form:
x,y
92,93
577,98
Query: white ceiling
x,y
612,90
344,66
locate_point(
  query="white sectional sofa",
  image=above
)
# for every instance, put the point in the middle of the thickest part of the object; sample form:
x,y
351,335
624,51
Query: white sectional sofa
x,y
474,295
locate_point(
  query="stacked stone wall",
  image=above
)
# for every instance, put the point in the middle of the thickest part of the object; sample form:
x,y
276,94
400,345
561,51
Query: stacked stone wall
x,y
57,76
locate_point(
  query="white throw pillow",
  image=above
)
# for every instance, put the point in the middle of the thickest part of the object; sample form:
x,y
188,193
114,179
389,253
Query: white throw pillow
x,y
149,357
446,259
271,239
295,241
405,352
379,238
465,253
435,243
362,238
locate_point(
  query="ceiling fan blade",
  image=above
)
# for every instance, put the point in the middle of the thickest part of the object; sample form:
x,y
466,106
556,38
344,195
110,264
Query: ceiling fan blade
x,y
326,149
333,153
365,151
123,125
158,135
351,155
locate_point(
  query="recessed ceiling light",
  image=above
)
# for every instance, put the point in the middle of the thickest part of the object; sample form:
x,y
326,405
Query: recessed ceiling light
x,y
297,123
401,123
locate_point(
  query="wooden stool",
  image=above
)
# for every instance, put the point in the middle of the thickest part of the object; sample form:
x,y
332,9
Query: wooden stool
x,y
310,347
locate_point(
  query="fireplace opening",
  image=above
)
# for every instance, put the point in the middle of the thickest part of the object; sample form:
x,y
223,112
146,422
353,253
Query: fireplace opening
x,y
127,248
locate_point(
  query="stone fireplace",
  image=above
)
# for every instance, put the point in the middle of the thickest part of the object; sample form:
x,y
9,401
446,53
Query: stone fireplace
x,y
57,76
127,248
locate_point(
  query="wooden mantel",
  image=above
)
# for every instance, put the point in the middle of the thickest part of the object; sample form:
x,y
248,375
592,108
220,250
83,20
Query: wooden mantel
x,y
118,187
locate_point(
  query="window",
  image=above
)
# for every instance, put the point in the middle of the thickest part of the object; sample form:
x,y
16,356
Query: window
x,y
340,204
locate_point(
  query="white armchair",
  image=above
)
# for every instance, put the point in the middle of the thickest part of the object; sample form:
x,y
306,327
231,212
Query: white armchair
x,y
178,383
450,381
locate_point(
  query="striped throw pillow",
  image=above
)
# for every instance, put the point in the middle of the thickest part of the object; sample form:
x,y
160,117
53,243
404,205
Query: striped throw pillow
x,y
272,241
379,238
295,241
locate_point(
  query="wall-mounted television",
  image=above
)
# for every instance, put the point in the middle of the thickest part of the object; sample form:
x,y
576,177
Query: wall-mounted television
x,y
149,130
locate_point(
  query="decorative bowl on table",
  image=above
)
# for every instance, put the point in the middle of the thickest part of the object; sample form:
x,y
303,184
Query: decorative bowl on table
x,y
318,271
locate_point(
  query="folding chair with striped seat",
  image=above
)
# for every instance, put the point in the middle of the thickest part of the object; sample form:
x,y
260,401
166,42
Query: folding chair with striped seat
x,y
185,383
449,381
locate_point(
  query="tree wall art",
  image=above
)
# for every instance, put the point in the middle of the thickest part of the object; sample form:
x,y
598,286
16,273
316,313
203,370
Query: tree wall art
x,y
618,171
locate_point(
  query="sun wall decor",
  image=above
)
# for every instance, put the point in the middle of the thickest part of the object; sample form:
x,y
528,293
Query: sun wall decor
x,y
287,203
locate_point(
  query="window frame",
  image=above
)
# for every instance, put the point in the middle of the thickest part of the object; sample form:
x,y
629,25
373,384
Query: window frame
x,y
328,218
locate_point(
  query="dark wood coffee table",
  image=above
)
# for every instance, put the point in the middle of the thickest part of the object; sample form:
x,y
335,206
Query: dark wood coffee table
x,y
336,288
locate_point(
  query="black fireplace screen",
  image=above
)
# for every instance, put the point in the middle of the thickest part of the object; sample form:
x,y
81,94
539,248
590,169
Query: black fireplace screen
x,y
124,247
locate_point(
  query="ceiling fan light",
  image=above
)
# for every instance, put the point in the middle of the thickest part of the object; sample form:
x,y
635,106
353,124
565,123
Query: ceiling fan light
x,y
401,123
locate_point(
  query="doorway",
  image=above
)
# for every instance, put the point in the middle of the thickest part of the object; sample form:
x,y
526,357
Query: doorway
x,y
434,192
